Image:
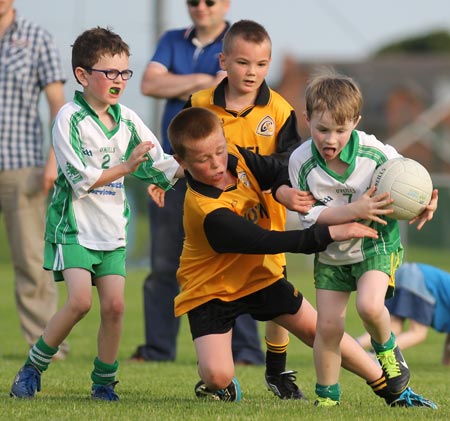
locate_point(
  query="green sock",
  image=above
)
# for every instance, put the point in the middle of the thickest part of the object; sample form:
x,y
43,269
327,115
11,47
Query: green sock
x,y
104,373
333,391
40,355
390,344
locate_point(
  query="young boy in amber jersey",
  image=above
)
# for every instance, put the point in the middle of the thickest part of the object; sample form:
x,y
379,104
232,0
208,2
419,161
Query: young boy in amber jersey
x,y
97,141
336,165
229,266
257,118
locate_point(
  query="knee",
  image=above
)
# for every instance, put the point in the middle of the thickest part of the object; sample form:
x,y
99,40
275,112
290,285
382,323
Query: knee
x,y
216,378
114,309
332,330
80,306
368,311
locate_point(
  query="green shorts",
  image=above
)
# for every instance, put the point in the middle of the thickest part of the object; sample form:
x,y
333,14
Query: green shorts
x,y
345,277
58,257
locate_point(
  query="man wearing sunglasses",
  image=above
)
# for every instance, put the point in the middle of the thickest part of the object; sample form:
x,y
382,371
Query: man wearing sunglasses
x,y
185,61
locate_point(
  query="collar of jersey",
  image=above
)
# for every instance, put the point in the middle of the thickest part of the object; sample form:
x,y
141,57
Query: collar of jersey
x,y
113,111
262,98
347,155
206,189
190,34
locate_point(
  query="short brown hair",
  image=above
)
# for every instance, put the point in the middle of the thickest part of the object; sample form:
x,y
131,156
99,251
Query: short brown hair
x,y
338,94
192,123
248,30
95,43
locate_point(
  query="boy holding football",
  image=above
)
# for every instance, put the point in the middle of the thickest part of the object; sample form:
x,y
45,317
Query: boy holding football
x,y
336,166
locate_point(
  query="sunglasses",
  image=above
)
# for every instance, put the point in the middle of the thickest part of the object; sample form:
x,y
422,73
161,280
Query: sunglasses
x,y
195,3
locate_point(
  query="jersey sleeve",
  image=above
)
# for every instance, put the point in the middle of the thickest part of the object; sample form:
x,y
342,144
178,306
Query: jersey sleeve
x,y
160,168
268,170
69,155
297,164
230,233
288,139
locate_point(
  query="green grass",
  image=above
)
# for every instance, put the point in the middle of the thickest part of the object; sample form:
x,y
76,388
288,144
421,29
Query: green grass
x,y
159,391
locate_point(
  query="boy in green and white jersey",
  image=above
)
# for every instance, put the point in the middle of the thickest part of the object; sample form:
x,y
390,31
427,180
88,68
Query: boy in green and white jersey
x,y
336,166
97,141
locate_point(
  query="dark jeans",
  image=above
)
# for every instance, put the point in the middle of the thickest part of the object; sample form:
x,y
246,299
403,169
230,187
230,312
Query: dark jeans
x,y
161,287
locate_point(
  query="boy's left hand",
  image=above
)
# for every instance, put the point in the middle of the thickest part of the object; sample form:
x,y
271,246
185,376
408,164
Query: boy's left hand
x,y
157,194
138,156
428,213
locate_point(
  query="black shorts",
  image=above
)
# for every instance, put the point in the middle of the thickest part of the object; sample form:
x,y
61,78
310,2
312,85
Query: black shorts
x,y
217,316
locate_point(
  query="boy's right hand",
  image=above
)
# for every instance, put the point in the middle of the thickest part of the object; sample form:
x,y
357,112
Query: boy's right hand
x,y
351,230
371,206
138,156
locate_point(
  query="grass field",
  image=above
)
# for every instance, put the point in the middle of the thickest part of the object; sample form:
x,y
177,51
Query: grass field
x,y
164,391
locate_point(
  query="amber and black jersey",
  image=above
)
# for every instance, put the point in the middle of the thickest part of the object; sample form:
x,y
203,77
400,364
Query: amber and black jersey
x,y
267,127
230,250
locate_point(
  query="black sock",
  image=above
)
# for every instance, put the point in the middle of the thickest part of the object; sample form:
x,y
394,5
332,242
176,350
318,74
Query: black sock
x,y
276,356
380,389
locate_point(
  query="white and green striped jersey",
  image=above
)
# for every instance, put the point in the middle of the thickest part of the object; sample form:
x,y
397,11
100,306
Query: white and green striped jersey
x,y
98,218
308,172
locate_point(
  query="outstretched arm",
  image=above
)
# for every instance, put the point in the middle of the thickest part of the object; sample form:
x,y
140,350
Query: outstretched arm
x,y
370,206
228,232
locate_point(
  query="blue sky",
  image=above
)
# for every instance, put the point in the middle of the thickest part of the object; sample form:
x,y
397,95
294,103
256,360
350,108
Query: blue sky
x,y
309,30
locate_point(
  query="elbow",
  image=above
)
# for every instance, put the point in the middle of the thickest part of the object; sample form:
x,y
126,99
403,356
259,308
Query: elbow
x,y
145,90
148,87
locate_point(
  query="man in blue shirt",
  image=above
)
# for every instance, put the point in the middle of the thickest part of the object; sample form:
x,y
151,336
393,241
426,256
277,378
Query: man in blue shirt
x,y
186,60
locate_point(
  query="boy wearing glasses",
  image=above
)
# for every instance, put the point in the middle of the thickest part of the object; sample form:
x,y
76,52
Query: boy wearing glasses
x,y
97,141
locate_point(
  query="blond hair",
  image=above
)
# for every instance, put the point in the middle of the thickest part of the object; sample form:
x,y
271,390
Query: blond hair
x,y
338,94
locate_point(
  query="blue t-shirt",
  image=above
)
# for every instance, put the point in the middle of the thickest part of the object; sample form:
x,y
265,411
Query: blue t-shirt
x,y
179,54
437,282
422,293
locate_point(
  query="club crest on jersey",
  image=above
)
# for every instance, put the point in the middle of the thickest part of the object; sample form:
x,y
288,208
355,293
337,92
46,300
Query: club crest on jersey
x,y
242,175
266,127
73,173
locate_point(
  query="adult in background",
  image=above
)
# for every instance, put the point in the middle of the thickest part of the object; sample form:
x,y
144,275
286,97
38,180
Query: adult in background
x,y
29,64
185,61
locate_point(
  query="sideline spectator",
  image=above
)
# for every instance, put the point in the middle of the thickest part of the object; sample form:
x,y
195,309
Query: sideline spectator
x,y
29,64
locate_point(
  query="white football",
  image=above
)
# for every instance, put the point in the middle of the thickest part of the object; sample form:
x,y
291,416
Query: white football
x,y
408,183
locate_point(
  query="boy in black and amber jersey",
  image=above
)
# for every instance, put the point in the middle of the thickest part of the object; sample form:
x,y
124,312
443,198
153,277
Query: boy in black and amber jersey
x,y
228,266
